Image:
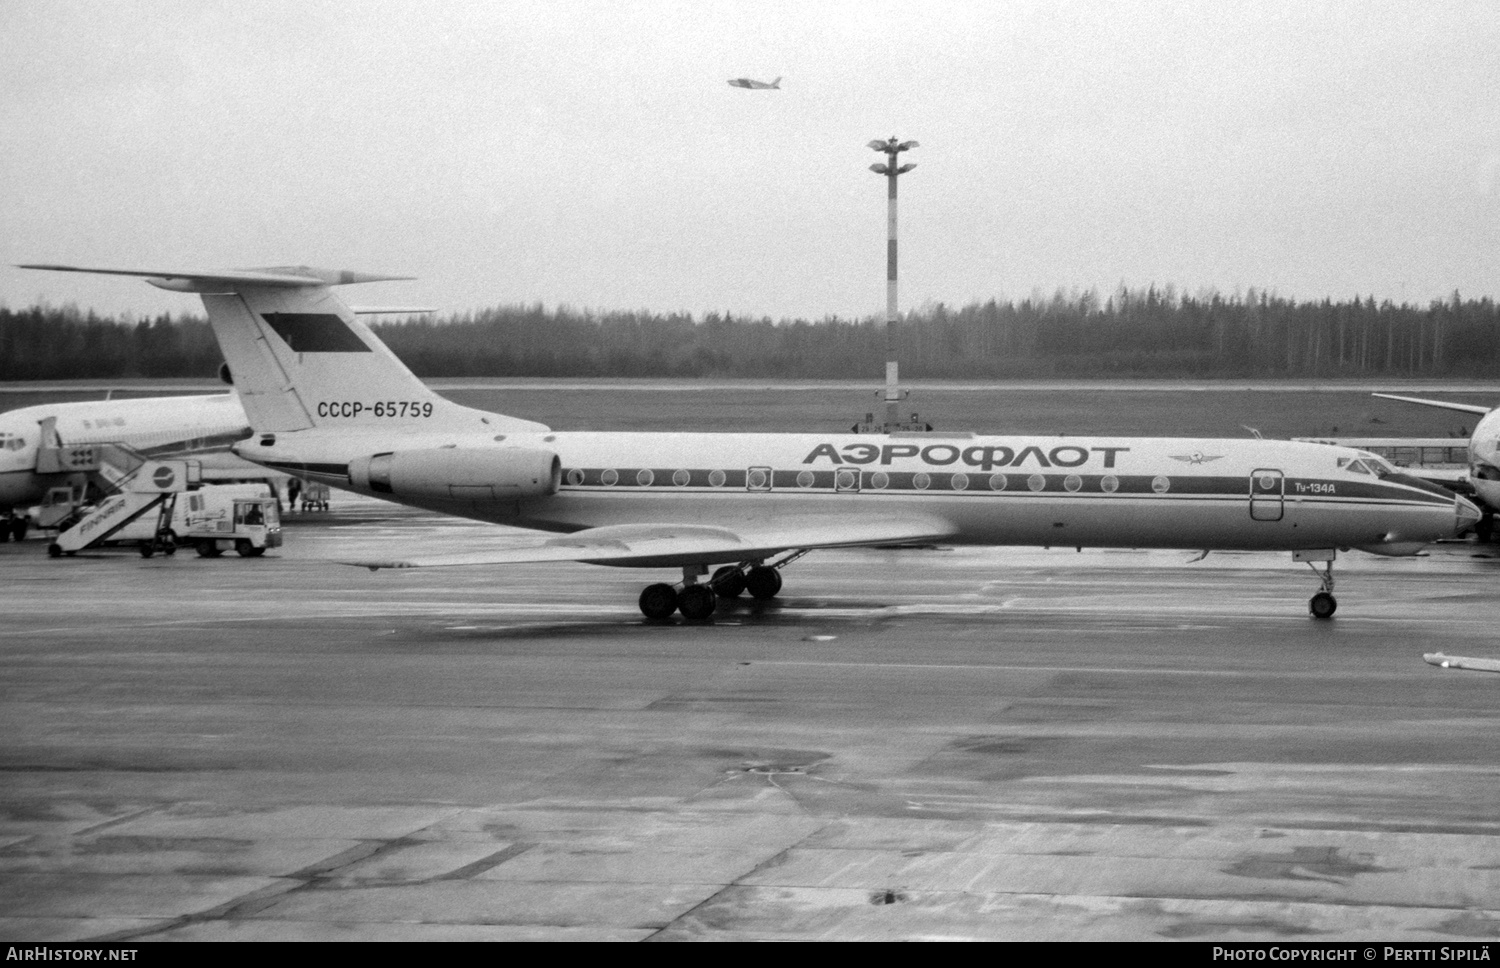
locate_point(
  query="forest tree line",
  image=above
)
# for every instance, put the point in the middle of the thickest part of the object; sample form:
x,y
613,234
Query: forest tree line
x,y
1151,332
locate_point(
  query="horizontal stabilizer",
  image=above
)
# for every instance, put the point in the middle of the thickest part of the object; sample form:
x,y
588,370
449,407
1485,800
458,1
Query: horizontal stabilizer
x,y
229,279
684,544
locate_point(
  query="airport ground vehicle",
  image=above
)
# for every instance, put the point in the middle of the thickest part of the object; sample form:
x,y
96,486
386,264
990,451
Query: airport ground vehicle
x,y
249,525
313,496
243,518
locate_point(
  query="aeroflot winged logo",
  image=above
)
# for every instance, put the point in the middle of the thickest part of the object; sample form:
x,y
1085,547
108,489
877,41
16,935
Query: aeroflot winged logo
x,y
1196,457
315,333
984,457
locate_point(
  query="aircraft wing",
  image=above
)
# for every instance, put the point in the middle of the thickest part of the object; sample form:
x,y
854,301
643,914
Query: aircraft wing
x,y
1441,404
669,545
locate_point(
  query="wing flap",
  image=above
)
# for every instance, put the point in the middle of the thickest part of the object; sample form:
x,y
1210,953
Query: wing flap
x,y
666,545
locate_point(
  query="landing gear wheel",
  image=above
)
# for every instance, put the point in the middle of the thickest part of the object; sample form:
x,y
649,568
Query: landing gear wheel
x,y
763,583
54,550
728,582
658,601
696,602
1322,605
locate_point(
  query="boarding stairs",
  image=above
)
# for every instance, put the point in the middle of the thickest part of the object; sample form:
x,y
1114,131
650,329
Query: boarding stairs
x,y
132,485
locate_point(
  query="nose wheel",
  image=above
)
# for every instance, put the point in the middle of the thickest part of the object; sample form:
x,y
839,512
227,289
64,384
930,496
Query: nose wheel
x,y
1323,604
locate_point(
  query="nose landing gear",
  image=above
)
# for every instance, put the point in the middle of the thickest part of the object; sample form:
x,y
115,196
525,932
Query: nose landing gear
x,y
1323,604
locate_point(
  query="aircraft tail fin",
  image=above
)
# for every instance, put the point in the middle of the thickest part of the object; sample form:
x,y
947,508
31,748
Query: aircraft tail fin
x,y
300,358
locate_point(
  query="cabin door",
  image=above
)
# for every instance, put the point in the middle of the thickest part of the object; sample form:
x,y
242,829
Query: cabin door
x,y
1267,494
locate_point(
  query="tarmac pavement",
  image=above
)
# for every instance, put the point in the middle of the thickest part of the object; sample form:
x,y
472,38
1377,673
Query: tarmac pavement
x,y
908,744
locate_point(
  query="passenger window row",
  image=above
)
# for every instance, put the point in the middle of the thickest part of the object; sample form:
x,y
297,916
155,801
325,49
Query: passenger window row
x,y
766,479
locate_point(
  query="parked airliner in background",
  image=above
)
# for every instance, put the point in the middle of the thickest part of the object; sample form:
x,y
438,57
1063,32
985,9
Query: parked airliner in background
x,y
198,427
754,85
1484,447
1480,476
328,401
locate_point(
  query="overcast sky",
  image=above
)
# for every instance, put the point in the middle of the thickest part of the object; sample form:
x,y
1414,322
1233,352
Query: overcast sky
x,y
592,154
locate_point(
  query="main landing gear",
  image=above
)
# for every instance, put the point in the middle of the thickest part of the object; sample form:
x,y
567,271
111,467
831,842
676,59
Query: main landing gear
x,y
698,600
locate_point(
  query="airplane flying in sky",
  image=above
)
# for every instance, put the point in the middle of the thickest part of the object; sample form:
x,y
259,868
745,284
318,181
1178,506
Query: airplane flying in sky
x,y
754,85
328,401
197,427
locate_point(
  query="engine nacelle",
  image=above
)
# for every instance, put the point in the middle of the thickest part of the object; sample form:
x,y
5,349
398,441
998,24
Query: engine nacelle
x,y
449,473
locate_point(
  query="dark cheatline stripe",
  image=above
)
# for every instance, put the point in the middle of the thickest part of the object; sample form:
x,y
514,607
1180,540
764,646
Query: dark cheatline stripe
x,y
316,333
1017,483
194,445
297,468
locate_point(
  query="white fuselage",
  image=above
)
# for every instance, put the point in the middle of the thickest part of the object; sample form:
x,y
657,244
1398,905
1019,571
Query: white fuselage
x,y
155,426
1484,459
993,490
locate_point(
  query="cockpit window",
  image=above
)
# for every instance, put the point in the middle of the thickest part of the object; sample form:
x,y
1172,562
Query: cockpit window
x,y
1358,467
1376,465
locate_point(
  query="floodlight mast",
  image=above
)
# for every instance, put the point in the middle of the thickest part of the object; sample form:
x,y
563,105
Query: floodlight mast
x,y
892,171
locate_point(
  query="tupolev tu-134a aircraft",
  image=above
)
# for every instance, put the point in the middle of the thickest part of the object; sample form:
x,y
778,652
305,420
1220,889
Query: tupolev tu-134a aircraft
x,y
328,401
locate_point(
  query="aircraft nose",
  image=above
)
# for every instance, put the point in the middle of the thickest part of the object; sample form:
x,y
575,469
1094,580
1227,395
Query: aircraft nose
x,y
1466,513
